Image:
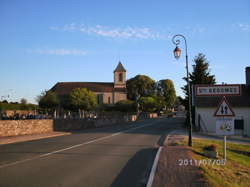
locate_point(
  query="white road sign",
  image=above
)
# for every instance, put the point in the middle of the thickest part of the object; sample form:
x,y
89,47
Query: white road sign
x,y
224,109
218,90
225,127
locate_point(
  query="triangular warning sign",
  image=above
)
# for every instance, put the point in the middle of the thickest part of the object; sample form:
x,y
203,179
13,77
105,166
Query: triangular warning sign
x,y
224,109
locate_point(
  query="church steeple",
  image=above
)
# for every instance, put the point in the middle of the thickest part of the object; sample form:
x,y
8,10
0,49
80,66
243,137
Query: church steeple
x,y
120,76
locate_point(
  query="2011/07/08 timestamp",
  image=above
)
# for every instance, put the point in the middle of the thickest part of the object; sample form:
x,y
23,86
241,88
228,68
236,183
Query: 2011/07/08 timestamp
x,y
186,162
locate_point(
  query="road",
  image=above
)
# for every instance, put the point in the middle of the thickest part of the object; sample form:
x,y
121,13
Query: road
x,y
114,156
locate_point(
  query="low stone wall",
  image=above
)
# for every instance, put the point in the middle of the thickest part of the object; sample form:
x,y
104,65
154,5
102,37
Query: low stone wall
x,y
23,127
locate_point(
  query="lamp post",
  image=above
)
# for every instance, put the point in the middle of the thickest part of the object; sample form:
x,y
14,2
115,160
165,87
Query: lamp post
x,y
177,53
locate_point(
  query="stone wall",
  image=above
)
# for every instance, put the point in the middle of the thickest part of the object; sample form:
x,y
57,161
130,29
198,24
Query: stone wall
x,y
23,127
38,126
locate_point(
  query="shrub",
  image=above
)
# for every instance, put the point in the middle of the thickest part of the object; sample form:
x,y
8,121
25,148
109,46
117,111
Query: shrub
x,y
212,147
125,106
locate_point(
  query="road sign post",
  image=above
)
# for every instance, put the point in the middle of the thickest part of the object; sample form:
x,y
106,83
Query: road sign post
x,y
224,126
225,147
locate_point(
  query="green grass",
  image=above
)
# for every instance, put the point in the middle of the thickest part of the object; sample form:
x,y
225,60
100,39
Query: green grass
x,y
236,171
10,106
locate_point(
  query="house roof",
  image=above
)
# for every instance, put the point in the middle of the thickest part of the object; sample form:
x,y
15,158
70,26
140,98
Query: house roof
x,y
64,88
235,101
120,68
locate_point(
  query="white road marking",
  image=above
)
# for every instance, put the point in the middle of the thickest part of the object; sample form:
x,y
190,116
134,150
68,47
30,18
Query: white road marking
x,y
153,170
157,157
72,147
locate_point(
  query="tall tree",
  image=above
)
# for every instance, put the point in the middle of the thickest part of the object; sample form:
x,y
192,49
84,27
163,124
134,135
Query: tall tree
x,y
81,99
140,86
200,74
48,100
166,89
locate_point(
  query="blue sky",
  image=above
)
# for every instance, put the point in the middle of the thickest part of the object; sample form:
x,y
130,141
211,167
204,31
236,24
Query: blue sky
x,y
45,42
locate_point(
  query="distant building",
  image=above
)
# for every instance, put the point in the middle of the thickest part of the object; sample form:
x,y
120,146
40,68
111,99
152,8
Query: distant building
x,y
208,97
106,92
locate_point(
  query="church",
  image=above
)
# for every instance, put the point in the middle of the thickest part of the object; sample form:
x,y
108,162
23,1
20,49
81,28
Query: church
x,y
106,92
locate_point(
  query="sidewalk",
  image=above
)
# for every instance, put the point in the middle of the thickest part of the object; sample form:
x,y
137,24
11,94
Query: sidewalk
x,y
171,172
23,138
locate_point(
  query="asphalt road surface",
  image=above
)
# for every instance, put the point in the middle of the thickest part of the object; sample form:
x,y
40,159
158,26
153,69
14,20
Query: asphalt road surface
x,y
114,156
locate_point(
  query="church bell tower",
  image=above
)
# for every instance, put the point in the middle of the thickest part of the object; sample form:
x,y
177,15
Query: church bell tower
x,y
120,76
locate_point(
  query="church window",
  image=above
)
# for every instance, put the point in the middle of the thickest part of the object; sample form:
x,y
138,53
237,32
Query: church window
x,y
99,98
120,77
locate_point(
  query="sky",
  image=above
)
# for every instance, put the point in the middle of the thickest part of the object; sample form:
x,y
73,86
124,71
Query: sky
x,y
45,42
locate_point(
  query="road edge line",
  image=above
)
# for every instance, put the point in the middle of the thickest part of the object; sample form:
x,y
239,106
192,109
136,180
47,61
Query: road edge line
x,y
153,170
157,157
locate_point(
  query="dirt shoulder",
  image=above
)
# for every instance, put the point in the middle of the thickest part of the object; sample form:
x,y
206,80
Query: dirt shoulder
x,y
171,170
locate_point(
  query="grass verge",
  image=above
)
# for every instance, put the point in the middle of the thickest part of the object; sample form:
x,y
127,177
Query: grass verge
x,y
236,170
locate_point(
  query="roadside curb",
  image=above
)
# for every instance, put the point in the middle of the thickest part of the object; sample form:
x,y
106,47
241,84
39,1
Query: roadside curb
x,y
153,170
157,157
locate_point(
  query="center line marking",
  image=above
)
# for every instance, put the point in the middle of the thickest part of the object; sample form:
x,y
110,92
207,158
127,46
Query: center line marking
x,y
72,147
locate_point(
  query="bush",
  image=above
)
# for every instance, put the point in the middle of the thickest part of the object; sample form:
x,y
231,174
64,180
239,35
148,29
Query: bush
x,y
106,108
125,106
212,147
148,104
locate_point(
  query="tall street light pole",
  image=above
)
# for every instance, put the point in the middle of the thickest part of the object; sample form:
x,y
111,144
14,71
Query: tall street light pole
x,y
177,53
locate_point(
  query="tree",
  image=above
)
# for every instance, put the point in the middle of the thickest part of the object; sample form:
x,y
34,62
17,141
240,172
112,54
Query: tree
x,y
148,104
160,102
24,104
140,86
200,73
166,89
48,100
23,101
81,99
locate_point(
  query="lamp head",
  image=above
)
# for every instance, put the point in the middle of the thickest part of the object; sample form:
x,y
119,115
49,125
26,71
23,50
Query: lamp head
x,y
177,52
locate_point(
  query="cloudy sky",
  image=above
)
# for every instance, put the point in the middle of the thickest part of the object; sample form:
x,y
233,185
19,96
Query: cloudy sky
x,y
45,42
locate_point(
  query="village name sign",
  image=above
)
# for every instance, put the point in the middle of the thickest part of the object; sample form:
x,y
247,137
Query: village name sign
x,y
218,90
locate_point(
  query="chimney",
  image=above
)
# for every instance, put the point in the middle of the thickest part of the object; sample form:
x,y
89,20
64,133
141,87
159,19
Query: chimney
x,y
248,76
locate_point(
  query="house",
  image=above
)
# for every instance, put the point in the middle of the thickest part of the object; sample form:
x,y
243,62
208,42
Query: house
x,y
106,92
207,99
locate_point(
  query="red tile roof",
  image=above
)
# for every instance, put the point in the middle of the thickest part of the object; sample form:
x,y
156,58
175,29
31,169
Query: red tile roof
x,y
64,88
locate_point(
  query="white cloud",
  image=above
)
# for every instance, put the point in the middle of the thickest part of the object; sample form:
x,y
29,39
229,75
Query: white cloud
x,y
58,51
112,32
244,26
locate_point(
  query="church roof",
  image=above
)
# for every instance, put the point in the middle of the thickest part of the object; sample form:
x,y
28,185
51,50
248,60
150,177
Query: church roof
x,y
120,68
64,88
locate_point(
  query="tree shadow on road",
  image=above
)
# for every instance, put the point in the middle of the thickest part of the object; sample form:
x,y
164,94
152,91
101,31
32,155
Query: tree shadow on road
x,y
137,169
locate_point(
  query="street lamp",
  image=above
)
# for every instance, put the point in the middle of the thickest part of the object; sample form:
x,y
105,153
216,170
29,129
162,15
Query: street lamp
x,y
177,53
